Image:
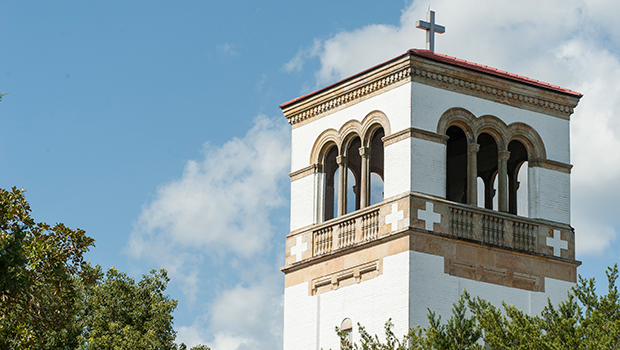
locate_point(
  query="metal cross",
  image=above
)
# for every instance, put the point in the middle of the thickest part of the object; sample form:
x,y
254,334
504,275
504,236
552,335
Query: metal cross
x,y
431,28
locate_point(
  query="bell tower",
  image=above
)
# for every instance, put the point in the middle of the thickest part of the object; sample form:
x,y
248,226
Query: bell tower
x,y
418,178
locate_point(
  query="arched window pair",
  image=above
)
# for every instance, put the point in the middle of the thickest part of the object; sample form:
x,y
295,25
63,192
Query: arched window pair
x,y
350,166
487,161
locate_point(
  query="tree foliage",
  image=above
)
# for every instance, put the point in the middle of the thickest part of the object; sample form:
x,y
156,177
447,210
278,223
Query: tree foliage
x,y
51,298
39,267
584,321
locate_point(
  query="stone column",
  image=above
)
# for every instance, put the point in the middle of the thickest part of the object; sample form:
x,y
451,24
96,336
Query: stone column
x,y
342,185
472,173
502,182
365,181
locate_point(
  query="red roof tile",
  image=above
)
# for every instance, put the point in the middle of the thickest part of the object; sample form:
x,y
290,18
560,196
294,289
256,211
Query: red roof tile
x,y
455,62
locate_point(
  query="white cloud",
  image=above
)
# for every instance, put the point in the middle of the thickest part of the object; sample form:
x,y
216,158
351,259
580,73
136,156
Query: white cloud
x,y
222,201
572,43
221,204
240,318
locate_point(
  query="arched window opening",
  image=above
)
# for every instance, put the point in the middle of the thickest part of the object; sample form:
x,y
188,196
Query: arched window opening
x,y
376,167
456,167
522,195
480,188
376,188
494,189
487,166
331,183
347,327
518,155
352,192
354,164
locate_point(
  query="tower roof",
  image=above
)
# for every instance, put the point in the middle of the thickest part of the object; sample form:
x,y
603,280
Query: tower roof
x,y
453,61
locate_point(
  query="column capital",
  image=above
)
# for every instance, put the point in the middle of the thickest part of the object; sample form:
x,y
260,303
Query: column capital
x,y
503,155
473,148
341,160
364,152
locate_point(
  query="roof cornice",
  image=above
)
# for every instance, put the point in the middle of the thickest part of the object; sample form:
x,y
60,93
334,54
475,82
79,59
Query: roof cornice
x,y
445,72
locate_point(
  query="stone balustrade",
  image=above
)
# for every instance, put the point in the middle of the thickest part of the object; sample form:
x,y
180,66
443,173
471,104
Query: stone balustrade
x,y
422,214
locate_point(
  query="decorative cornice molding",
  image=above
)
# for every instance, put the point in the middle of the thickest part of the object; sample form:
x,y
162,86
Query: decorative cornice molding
x,y
551,165
433,73
303,172
315,109
416,133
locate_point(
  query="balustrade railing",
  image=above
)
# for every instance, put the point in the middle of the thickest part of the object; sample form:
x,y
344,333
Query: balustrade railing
x,y
370,226
462,224
346,233
493,230
323,241
524,236
470,223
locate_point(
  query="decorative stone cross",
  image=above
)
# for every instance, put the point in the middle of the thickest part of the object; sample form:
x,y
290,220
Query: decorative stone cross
x,y
431,28
394,217
299,249
557,243
429,216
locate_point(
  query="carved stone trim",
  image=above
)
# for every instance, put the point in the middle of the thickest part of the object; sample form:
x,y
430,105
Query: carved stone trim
x,y
351,96
416,133
551,165
309,170
438,74
346,277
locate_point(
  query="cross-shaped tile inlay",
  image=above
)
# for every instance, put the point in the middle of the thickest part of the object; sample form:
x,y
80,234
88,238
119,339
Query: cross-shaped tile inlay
x,y
557,243
394,217
429,216
299,249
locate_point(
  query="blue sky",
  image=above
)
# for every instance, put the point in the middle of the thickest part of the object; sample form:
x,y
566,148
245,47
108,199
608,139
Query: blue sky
x,y
155,126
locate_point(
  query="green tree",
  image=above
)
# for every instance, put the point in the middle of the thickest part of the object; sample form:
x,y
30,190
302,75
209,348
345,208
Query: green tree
x,y
118,313
39,267
51,298
584,321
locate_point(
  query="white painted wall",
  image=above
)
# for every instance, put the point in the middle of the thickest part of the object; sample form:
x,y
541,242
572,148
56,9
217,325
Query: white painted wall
x,y
411,283
428,170
397,168
371,303
303,192
432,288
549,194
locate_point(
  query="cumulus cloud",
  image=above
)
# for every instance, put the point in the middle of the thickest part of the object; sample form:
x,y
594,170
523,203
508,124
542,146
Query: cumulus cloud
x,y
220,205
572,43
222,201
247,316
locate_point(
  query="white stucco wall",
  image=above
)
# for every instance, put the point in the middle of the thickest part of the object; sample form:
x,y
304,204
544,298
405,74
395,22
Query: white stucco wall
x,y
309,321
411,283
428,168
549,194
303,193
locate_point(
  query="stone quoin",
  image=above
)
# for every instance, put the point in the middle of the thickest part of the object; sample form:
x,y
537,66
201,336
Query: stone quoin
x,y
418,178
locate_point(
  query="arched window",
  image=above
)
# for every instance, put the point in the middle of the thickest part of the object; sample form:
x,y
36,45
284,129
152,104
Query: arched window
x,y
487,166
347,327
330,167
456,167
354,165
376,167
518,157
